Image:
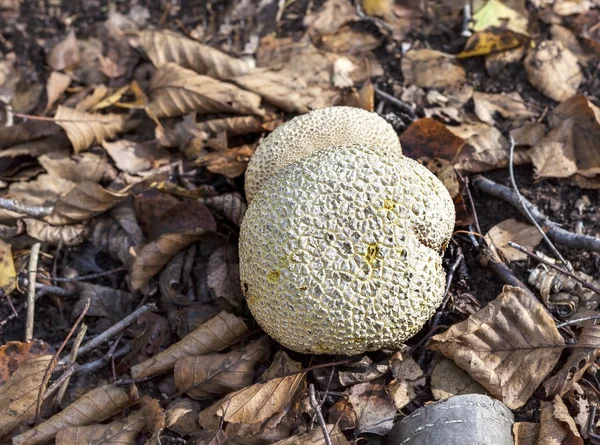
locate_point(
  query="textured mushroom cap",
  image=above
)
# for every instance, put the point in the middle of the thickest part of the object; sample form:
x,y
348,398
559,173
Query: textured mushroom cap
x,y
314,131
340,252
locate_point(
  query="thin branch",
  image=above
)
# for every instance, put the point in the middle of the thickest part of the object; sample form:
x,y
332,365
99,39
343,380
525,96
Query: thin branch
x,y
403,106
14,206
31,275
526,210
554,232
577,320
113,330
315,405
554,266
90,276
72,360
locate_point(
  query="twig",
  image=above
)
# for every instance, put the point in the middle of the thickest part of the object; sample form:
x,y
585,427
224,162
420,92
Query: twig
x,y
524,207
113,330
403,106
577,320
313,401
492,260
554,232
92,276
36,211
52,363
72,360
554,266
31,275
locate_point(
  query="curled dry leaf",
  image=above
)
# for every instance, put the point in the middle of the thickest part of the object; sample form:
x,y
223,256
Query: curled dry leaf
x,y
315,437
526,433
328,20
362,371
588,350
18,396
8,274
216,334
70,235
105,301
163,47
230,162
509,106
449,380
118,432
182,416
232,126
109,236
512,230
83,129
95,406
254,404
557,427
407,377
374,409
65,54
13,353
79,168
428,68
231,205
133,157
207,375
281,364
509,346
223,275
553,70
176,91
56,85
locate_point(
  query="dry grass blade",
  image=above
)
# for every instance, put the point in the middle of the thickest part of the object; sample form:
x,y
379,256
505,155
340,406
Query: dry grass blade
x,y
557,426
83,129
18,396
508,347
95,406
164,47
176,91
216,334
253,404
207,375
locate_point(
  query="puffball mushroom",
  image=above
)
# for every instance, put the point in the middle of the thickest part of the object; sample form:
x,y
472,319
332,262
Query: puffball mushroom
x,y
341,251
314,131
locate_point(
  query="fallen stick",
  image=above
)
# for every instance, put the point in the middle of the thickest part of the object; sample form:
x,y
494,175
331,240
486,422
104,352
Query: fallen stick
x,y
554,232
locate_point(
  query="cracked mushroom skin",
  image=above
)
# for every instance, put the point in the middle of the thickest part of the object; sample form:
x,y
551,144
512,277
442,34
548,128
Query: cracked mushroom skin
x,y
314,131
341,252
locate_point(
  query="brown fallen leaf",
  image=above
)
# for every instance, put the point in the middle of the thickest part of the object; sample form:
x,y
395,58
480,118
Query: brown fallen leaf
x,y
526,433
97,94
8,274
315,437
254,404
223,275
79,168
512,230
18,396
428,68
554,155
134,157
13,353
204,376
374,409
83,129
95,406
231,205
175,91
428,138
105,301
70,235
495,64
361,371
216,334
407,377
509,346
164,47
553,70
491,41
578,362
509,106
335,13
230,162
281,364
557,427
449,380
65,54
528,134
150,333
182,416
56,85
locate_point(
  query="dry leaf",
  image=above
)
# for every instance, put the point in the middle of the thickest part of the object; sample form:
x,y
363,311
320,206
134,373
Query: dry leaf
x,y
13,353
164,47
18,396
281,364
315,437
496,64
105,301
427,68
230,162
407,377
526,433
133,157
223,275
428,138
182,416
254,404
512,230
89,101
204,376
509,106
509,346
496,14
557,427
361,371
216,334
588,349
65,54
554,155
231,205
8,274
118,432
448,380
78,168
232,126
176,91
70,235
374,409
493,41
56,85
95,406
528,134
553,70
84,129
328,20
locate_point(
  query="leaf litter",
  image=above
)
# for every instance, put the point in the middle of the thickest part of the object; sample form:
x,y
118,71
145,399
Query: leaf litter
x,y
123,152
